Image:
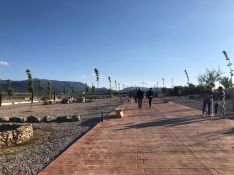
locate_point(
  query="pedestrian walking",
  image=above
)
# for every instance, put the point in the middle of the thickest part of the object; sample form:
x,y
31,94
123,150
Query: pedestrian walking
x,y
207,99
135,95
140,96
150,95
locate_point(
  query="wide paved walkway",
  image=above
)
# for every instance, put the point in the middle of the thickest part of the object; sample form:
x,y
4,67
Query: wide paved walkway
x,y
168,139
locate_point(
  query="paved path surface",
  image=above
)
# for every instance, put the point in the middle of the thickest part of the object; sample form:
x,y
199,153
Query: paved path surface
x,y
168,139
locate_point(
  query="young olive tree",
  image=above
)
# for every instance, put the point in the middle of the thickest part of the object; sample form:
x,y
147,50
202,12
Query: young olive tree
x,y
229,65
30,86
187,76
109,79
97,77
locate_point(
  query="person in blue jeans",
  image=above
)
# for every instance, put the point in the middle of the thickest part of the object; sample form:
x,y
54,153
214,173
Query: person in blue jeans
x,y
208,96
140,96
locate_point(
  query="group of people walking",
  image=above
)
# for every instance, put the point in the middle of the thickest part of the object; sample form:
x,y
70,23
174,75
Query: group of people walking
x,y
213,101
209,97
138,96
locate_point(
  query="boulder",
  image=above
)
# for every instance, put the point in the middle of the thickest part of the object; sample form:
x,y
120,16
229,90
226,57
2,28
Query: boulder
x,y
18,119
48,119
64,119
33,119
4,119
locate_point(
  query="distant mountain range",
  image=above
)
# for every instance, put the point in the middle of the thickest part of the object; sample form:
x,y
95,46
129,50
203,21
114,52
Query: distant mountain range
x,y
56,86
39,84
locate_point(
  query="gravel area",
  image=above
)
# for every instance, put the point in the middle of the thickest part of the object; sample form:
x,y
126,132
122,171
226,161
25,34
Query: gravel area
x,y
50,139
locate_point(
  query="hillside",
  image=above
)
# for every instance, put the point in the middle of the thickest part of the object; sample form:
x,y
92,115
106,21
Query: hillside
x,y
57,86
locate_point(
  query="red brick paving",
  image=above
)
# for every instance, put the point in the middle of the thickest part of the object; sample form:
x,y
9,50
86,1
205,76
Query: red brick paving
x,y
168,139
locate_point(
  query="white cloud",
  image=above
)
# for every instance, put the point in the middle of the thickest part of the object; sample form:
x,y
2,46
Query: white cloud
x,y
4,63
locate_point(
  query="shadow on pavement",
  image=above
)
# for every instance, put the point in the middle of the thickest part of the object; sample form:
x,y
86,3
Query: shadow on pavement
x,y
169,122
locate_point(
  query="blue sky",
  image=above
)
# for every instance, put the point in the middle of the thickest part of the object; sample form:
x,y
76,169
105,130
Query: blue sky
x,y
132,41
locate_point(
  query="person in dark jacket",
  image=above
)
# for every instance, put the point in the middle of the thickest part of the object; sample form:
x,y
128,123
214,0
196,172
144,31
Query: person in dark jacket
x,y
208,96
140,96
150,95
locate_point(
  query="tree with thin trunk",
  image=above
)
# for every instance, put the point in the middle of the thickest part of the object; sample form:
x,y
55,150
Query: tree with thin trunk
x,y
30,86
187,76
97,77
210,77
231,75
109,79
229,64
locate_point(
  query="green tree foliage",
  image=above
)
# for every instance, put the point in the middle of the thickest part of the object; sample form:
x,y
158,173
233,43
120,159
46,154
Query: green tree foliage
x,y
210,77
226,82
97,77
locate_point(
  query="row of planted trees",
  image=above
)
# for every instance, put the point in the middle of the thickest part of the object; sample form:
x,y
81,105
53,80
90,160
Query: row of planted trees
x,y
45,90
116,84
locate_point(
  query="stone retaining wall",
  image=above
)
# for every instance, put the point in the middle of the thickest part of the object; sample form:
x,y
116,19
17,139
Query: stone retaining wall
x,y
19,135
36,119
